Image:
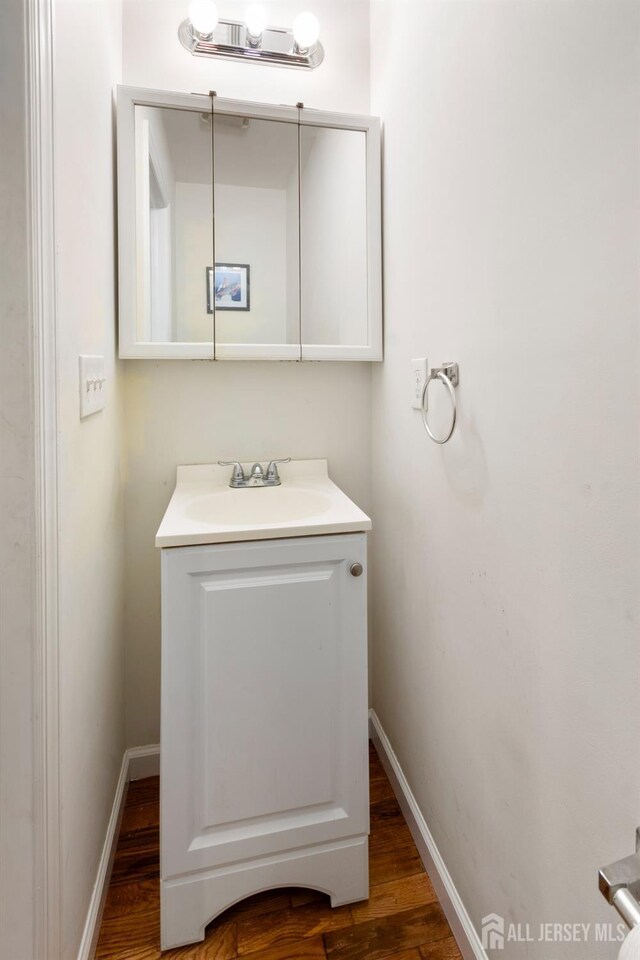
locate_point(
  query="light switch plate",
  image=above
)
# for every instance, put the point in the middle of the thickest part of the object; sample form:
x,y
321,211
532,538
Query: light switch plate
x,y
418,377
93,385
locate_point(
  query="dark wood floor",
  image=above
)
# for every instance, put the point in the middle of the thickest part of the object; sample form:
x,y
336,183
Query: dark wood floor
x,y
401,920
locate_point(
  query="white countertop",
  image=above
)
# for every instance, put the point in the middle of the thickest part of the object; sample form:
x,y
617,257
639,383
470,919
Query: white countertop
x,y
205,509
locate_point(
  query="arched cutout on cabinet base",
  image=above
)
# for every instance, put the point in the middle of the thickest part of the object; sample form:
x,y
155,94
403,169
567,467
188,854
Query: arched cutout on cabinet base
x,y
189,903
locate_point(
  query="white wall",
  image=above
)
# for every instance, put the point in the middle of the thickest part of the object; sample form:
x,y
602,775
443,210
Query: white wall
x,y
17,509
506,563
91,507
184,412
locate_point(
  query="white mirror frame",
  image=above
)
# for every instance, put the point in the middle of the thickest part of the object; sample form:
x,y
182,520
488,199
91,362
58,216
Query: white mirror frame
x,y
133,296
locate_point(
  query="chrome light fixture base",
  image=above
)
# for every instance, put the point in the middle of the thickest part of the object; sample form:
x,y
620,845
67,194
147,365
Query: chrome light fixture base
x,y
231,40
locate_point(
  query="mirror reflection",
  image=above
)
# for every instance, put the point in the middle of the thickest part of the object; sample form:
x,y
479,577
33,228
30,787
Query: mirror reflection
x,y
333,236
258,233
173,224
256,278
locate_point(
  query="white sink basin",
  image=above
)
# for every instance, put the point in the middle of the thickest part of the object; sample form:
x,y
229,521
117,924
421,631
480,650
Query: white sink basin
x,y
205,509
257,505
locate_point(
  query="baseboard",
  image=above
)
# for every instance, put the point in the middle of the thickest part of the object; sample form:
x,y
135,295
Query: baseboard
x,y
144,761
454,909
96,904
137,762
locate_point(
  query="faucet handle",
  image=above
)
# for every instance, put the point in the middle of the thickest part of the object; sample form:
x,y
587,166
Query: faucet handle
x,y
237,477
273,476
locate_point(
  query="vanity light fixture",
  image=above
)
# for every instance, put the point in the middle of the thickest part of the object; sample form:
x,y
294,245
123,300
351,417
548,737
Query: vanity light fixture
x,y
255,22
203,17
306,31
205,35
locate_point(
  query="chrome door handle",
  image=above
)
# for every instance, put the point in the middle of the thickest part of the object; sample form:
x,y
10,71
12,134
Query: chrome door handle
x,y
355,569
620,884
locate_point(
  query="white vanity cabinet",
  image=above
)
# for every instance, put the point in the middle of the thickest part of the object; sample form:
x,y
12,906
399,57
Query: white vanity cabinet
x,y
264,761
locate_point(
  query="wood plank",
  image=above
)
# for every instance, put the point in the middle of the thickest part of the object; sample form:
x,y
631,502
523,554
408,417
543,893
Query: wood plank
x,y
446,949
137,856
380,790
386,813
301,896
376,770
269,901
135,867
128,899
393,854
413,954
143,791
143,840
137,935
378,939
387,899
208,950
139,816
289,926
139,939
385,834
220,943
148,952
312,948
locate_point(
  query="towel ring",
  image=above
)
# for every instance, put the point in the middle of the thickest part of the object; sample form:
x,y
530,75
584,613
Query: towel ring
x,y
448,375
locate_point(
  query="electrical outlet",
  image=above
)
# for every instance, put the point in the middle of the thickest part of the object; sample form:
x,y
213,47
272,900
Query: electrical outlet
x,y
418,377
93,385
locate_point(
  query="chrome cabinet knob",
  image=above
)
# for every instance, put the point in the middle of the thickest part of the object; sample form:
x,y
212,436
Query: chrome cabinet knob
x,y
355,569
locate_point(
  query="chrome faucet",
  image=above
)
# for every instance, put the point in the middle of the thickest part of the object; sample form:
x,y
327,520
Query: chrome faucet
x,y
258,477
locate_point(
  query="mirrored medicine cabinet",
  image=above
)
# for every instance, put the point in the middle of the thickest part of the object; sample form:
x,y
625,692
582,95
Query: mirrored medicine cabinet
x,y
247,231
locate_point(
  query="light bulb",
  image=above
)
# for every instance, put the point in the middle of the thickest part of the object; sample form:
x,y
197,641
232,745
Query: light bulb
x,y
256,20
203,16
306,30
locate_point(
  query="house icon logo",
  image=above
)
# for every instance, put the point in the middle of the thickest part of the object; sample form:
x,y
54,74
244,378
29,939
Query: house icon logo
x,y
493,932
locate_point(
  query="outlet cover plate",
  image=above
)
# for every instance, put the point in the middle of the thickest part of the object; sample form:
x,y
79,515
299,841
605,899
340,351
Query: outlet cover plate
x,y
419,369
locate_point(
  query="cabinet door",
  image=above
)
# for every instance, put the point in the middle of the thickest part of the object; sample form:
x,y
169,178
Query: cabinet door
x,y
264,699
340,251
165,224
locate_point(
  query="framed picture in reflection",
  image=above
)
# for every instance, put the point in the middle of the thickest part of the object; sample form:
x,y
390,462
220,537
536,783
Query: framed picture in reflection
x,y
228,287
